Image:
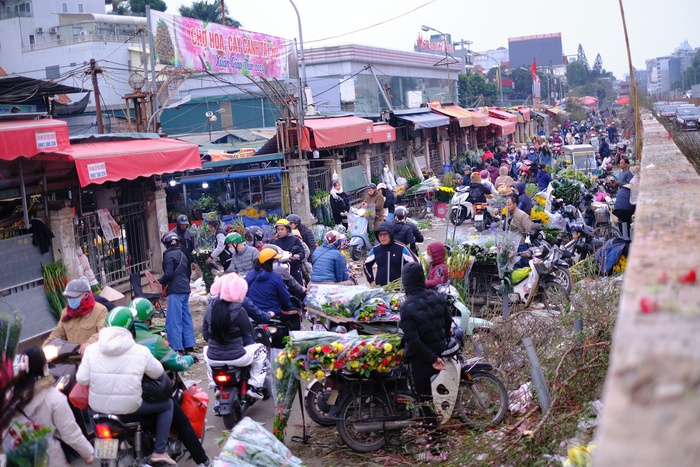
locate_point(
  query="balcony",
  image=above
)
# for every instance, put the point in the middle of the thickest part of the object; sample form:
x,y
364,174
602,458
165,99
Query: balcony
x,y
15,14
88,37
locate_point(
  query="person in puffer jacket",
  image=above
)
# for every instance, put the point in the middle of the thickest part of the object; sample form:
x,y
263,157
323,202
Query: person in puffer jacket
x,y
439,273
114,368
265,288
426,325
292,244
329,263
243,256
390,256
524,201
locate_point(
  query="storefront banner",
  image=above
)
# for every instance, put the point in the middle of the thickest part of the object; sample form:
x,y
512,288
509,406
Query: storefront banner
x,y
212,47
110,228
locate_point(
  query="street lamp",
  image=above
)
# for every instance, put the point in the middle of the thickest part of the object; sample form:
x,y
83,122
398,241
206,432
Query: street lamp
x,y
498,70
447,62
174,105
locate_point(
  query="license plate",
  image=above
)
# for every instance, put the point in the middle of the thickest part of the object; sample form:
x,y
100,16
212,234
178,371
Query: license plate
x,y
479,217
106,448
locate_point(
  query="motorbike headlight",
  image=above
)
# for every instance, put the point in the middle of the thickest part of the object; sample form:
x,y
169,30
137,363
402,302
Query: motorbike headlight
x,y
50,352
680,120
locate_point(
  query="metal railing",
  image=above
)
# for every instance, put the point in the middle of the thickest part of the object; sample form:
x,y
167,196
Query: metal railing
x,y
111,261
78,39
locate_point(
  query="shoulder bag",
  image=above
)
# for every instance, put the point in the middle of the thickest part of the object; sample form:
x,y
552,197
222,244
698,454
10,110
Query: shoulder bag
x,y
156,390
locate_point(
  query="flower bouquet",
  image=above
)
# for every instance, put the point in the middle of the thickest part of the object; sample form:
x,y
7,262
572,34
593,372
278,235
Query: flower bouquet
x,y
30,445
506,244
443,194
249,444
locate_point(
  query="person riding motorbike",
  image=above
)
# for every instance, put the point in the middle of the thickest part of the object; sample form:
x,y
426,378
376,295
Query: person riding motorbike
x,y
477,190
329,263
43,404
225,323
219,252
282,268
172,361
292,244
389,255
117,358
401,216
243,256
307,236
267,290
402,230
254,237
81,319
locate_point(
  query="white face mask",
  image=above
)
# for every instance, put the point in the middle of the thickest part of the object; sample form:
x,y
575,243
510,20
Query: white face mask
x,y
427,258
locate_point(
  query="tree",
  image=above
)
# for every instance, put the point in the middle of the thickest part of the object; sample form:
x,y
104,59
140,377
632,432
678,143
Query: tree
x,y
692,74
581,57
597,68
522,84
473,86
136,6
576,74
210,12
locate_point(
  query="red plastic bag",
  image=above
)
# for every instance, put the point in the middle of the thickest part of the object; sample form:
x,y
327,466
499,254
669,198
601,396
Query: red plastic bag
x,y
79,396
194,403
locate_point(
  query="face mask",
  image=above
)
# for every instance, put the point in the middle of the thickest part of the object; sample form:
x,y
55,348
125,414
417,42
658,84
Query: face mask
x,y
74,303
231,249
251,243
427,258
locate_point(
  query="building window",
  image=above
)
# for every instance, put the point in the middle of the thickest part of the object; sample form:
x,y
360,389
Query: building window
x,y
64,7
80,7
53,72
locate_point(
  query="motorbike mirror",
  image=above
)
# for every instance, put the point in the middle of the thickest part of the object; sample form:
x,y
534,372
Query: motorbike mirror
x,y
50,352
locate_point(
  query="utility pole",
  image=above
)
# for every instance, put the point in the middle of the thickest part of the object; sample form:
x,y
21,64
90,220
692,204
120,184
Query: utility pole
x,y
94,70
223,13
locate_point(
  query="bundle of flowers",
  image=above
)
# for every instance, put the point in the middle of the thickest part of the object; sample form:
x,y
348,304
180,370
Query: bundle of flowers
x,y
311,354
444,194
250,444
253,212
540,216
344,301
30,444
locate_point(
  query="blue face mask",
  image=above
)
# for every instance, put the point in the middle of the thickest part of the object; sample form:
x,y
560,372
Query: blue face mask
x,y
74,303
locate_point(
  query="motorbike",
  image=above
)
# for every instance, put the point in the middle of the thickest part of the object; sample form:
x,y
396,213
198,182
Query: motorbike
x,y
359,237
369,408
527,172
556,150
482,217
63,359
460,207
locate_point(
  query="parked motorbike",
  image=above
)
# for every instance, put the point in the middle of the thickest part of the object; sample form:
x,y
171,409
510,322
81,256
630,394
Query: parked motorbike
x,y
549,277
369,408
359,237
460,207
63,359
527,172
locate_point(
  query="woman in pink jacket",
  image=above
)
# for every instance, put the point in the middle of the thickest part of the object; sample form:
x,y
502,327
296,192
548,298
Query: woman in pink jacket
x,y
438,273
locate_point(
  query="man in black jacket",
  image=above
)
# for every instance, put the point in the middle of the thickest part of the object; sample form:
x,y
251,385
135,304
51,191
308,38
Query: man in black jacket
x,y
184,236
409,231
426,324
176,280
306,233
292,244
389,255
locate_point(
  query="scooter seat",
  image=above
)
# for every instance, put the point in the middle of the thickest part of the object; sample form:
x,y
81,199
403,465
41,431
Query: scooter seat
x,y
127,420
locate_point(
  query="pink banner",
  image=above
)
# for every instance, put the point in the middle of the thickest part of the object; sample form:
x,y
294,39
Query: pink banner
x,y
199,45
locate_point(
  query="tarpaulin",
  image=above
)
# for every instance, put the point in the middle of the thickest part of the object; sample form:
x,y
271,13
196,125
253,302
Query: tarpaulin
x,y
508,117
479,118
383,133
425,120
464,118
506,127
30,137
318,133
110,161
525,113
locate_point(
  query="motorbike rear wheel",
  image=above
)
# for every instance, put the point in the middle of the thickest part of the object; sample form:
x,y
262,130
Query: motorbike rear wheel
x,y
482,402
235,416
316,403
355,252
362,408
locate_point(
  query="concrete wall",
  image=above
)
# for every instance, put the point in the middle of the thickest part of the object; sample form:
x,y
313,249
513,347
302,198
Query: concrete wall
x,y
652,392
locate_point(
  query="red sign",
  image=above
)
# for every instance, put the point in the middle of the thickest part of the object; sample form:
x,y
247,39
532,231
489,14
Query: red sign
x,y
428,45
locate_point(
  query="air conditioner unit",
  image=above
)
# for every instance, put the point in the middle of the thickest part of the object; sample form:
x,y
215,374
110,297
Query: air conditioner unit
x,y
53,30
40,30
84,33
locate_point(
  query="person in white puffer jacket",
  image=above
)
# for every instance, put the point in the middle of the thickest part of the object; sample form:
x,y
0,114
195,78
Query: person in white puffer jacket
x,y
114,367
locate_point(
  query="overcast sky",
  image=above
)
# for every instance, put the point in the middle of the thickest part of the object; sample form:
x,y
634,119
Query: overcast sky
x,y
656,27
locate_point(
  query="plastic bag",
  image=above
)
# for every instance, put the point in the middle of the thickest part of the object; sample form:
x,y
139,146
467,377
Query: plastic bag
x,y
194,403
79,396
250,442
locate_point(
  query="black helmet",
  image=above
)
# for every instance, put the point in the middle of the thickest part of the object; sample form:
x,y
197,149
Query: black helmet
x,y
170,239
570,212
400,213
183,220
372,186
294,218
256,232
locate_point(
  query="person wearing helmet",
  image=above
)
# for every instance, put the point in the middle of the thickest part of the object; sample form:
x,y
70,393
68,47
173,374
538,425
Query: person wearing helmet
x,y
329,263
243,256
340,205
81,319
225,323
114,369
402,229
292,244
374,197
282,268
465,178
172,361
219,252
176,281
307,236
185,237
389,256
254,236
265,288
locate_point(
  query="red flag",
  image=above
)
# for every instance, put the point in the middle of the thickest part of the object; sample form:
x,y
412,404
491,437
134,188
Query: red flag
x,y
533,70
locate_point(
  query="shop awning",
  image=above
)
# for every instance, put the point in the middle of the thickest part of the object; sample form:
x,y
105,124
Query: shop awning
x,y
425,120
525,113
110,161
229,175
464,118
319,133
478,118
383,133
506,127
556,110
27,138
507,116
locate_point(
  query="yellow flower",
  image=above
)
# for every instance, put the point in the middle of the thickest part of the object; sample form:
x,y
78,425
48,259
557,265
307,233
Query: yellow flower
x,y
388,348
371,348
355,365
320,375
280,373
337,346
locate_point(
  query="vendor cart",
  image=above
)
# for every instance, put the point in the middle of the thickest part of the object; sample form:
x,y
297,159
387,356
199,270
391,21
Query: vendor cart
x,y
325,322
416,203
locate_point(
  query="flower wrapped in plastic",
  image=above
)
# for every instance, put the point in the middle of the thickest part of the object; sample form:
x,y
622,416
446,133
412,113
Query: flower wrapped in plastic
x,y
337,300
249,444
30,445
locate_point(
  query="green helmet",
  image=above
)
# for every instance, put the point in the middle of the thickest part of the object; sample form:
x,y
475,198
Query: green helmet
x,y
143,309
234,237
121,317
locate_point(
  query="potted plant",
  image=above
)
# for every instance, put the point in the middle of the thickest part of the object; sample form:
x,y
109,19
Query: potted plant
x,y
442,196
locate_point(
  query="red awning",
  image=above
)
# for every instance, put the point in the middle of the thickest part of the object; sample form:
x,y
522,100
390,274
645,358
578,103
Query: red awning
x,y
27,138
623,100
525,113
110,161
464,117
383,133
319,133
508,117
506,127
479,118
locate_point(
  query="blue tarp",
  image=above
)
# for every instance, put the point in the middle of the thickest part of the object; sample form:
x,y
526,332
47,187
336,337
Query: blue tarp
x,y
425,120
230,175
